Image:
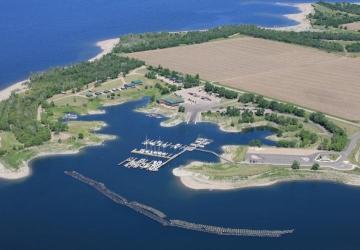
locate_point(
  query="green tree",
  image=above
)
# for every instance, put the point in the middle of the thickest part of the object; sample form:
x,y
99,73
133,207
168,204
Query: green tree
x,y
315,166
81,136
153,98
181,109
295,165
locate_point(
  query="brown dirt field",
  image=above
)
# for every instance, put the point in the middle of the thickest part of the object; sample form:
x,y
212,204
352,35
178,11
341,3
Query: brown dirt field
x,y
308,77
352,26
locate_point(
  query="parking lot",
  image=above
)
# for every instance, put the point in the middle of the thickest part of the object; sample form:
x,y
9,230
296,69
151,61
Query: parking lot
x,y
196,100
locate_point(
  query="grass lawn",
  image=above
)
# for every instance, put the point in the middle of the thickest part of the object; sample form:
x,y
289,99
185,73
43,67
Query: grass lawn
x,y
75,101
8,141
224,171
81,106
115,83
239,154
85,127
14,159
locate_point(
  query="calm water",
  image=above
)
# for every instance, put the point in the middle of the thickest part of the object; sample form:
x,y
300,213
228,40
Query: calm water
x,y
52,211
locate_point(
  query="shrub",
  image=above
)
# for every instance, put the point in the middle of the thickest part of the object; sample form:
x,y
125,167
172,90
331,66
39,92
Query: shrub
x,y
295,165
315,166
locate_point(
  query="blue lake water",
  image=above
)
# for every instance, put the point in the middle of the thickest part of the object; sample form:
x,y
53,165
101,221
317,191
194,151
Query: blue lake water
x,y
52,211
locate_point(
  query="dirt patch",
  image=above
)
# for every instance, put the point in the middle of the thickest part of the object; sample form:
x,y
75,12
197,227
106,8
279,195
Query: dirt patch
x,y
352,26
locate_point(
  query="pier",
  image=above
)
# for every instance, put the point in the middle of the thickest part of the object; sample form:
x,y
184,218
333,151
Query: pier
x,y
161,218
156,149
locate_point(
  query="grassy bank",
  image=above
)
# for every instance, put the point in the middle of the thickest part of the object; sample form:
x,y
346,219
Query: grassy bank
x,y
222,176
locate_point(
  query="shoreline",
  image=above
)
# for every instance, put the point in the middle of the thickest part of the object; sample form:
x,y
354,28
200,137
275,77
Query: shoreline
x,y
18,87
197,181
24,170
303,24
106,47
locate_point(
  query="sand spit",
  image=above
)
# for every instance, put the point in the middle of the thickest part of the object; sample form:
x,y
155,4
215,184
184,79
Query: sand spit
x,y
301,17
17,87
106,47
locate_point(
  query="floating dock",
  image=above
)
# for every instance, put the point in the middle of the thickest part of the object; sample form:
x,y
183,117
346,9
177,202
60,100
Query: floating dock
x,y
156,149
152,153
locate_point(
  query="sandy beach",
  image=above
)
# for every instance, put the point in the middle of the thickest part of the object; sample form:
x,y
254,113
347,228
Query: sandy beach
x,y
106,47
10,174
18,87
301,17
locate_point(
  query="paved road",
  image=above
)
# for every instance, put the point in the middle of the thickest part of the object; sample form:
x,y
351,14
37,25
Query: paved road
x,y
341,163
193,111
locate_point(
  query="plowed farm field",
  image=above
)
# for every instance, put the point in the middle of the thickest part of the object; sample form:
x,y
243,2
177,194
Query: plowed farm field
x,y
304,76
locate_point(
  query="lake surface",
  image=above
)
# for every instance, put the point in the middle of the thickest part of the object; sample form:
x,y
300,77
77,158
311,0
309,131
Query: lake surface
x,y
50,210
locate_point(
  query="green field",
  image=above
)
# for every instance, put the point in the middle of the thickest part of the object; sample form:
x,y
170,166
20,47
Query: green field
x,y
226,171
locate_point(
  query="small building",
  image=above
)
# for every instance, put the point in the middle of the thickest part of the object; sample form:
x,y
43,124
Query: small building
x,y
171,101
137,82
129,85
70,116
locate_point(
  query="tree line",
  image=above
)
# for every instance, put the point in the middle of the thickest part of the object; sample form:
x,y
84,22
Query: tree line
x,y
354,47
335,14
273,105
328,18
187,80
339,138
220,91
325,40
344,7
